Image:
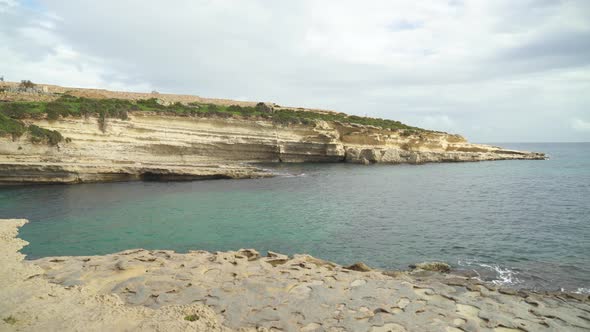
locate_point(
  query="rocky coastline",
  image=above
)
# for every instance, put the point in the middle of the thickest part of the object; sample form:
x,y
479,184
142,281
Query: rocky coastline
x,y
160,290
159,146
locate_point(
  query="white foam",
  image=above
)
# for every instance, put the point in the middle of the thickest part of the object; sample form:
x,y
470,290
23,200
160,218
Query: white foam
x,y
282,174
290,175
503,275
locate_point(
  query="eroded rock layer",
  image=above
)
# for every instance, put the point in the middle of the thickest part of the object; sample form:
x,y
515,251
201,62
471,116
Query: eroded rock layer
x,y
155,146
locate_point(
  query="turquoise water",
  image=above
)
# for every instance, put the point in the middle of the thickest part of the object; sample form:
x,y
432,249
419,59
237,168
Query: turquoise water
x,y
522,223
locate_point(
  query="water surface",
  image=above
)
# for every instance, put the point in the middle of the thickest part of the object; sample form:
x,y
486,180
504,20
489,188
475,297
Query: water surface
x,y
523,223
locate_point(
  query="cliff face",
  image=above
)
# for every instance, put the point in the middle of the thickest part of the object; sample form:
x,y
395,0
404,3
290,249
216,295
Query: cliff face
x,y
154,147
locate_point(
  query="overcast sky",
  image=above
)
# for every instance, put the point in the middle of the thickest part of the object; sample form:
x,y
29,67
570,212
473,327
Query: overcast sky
x,y
493,71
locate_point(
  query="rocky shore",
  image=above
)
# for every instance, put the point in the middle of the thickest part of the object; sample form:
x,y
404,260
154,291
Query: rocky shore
x,y
240,290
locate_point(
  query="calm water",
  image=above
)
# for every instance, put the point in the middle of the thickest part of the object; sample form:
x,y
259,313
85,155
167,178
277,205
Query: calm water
x,y
523,223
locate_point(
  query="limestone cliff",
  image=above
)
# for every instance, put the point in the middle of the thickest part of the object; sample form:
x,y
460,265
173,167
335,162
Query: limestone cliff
x,y
154,146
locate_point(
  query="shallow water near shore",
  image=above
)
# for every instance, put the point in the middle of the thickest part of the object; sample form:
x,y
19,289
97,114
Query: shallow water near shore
x,y
524,224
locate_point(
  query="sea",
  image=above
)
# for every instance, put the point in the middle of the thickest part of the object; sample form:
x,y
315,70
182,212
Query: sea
x,y
522,224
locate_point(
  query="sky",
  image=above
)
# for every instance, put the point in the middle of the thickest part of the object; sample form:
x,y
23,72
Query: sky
x,y
490,70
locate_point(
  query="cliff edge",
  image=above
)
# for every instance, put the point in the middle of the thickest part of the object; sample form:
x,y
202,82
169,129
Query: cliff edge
x,y
80,135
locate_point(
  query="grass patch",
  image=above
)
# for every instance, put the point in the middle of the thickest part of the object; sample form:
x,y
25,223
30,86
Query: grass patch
x,y
9,320
16,128
22,110
191,318
9,126
39,135
68,105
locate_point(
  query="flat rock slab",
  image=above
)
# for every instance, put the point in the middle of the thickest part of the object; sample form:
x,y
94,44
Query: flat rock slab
x,y
28,302
304,293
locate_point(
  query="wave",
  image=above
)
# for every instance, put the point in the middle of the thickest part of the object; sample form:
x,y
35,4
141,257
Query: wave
x,y
284,174
496,274
516,278
288,175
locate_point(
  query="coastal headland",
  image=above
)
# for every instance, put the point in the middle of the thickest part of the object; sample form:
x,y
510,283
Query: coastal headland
x,y
160,290
52,134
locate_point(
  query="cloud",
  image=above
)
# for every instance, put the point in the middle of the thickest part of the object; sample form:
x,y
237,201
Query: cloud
x,y
6,5
32,49
437,122
405,25
497,63
581,125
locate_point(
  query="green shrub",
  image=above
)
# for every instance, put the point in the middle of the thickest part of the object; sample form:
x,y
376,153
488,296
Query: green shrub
x,y
9,320
20,110
52,114
58,108
214,108
102,121
191,318
88,107
68,105
26,84
38,134
151,103
263,108
11,127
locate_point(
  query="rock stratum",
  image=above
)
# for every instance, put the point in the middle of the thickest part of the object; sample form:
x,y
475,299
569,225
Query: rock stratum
x,y
160,290
156,146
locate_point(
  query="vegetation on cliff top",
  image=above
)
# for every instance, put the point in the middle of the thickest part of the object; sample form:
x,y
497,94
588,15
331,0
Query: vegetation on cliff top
x,y
39,135
11,127
16,128
67,105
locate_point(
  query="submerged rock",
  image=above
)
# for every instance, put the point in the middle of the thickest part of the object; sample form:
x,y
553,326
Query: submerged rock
x,y
359,266
432,266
